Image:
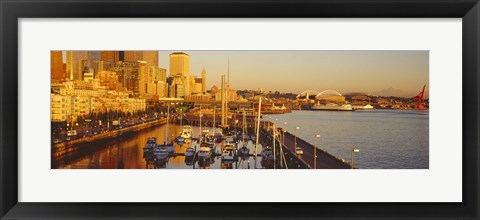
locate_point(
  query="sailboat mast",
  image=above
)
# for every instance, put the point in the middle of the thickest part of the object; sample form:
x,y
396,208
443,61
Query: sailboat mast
x,y
244,124
168,118
214,114
258,128
200,133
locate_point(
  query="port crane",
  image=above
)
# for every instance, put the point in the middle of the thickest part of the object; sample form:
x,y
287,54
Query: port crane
x,y
419,99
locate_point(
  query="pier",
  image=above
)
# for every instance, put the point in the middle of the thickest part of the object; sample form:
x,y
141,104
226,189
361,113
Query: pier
x,y
285,139
285,143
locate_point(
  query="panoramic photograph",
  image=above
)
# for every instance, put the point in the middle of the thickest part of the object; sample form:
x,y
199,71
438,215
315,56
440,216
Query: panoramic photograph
x,y
239,109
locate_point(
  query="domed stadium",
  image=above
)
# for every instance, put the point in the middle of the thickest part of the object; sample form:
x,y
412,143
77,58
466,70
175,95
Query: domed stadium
x,y
328,96
308,94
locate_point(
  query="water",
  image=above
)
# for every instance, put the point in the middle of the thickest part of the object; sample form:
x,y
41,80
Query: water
x,y
127,153
387,139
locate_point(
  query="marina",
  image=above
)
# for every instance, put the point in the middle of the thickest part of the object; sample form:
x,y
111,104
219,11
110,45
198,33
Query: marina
x,y
333,148
177,123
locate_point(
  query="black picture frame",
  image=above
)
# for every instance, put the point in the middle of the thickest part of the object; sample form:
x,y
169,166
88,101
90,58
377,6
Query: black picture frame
x,y
11,11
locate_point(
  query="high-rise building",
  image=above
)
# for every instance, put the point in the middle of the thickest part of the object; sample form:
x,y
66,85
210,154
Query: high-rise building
x,y
128,75
162,74
94,55
110,56
56,67
74,64
180,66
179,63
150,57
132,56
143,78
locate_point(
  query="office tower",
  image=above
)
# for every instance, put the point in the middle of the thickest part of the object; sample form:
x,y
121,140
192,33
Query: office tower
x,y
94,55
143,78
128,75
74,64
56,67
162,74
150,57
110,56
179,64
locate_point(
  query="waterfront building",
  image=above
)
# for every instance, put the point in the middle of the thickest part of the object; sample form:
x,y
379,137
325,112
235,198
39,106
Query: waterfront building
x,y
56,67
216,94
60,107
199,97
66,108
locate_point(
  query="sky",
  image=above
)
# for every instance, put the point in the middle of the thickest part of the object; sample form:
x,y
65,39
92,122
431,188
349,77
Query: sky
x,y
401,73
404,72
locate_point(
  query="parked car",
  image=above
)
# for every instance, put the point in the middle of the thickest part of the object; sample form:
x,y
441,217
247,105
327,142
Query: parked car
x,y
56,141
299,151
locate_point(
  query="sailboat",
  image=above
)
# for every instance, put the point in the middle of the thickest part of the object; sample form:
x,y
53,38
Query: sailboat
x,y
244,151
168,146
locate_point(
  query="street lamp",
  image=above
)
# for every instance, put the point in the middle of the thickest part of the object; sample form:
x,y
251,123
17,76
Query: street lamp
x,y
295,148
269,117
354,151
285,130
315,152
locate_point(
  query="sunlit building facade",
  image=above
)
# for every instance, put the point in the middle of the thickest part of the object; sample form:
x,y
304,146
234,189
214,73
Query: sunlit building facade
x,y
56,67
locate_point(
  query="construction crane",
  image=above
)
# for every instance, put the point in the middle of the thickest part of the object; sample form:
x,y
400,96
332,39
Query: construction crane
x,y
419,99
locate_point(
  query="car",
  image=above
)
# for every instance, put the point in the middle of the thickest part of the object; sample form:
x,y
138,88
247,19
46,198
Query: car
x,y
56,141
299,151
87,134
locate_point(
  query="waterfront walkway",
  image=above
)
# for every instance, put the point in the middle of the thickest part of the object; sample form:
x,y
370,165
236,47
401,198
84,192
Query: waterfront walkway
x,y
324,159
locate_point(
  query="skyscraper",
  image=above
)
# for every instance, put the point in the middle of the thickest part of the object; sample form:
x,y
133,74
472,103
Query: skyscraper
x,y
143,78
179,63
56,66
150,56
180,67
94,55
110,56
74,64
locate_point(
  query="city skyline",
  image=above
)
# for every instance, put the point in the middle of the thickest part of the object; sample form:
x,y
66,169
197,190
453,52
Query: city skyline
x,y
169,109
344,71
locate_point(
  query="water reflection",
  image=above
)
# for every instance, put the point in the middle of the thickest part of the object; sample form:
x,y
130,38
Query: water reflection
x,y
127,153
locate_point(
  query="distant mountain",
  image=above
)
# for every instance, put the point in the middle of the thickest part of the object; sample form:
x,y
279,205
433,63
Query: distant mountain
x,y
390,92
